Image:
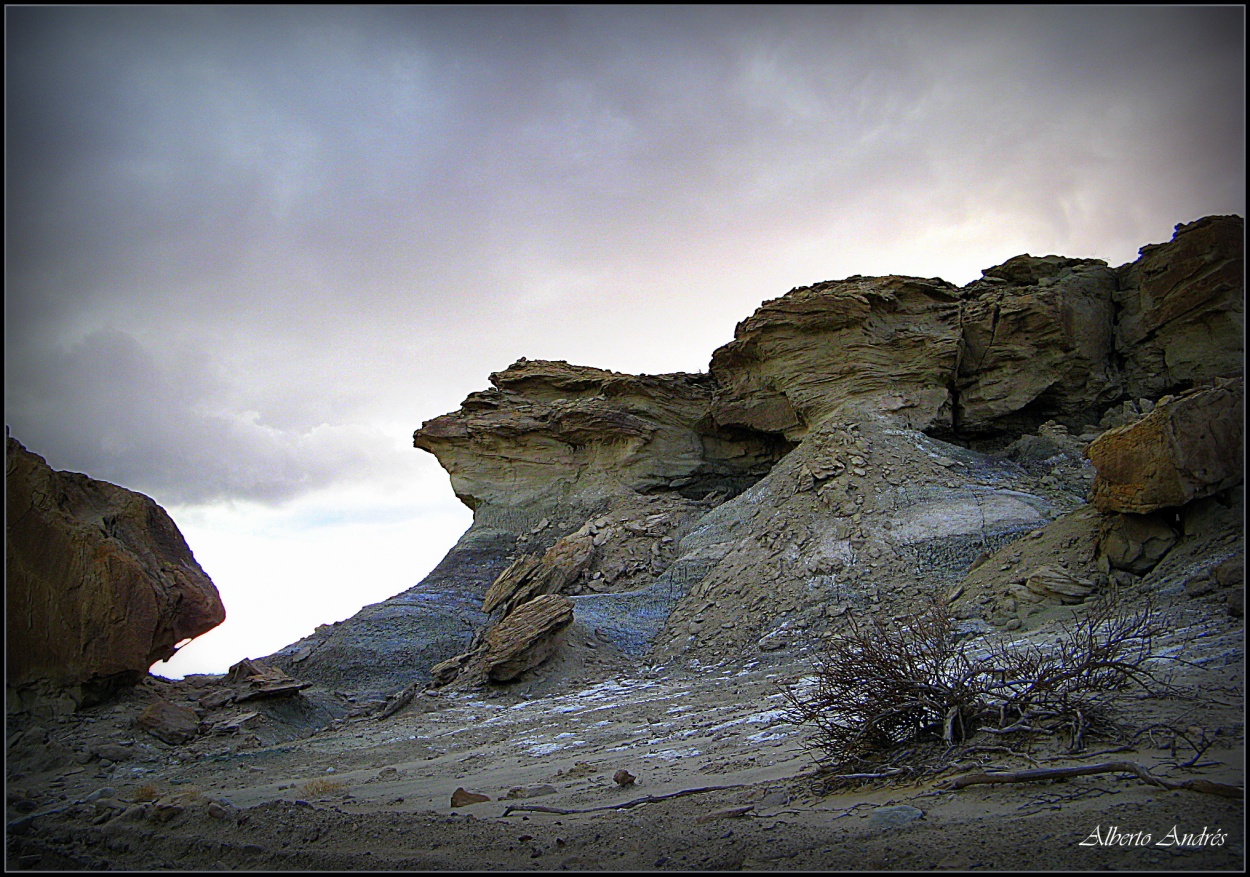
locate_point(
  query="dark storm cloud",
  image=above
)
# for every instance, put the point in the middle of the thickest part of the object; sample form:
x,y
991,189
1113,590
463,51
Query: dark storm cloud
x,y
251,228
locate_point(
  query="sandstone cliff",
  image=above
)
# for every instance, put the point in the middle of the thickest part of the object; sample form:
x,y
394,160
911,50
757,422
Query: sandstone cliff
x,y
859,444
99,583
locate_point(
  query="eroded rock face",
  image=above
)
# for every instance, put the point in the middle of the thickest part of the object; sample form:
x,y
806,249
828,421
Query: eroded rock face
x,y
99,582
1187,447
1037,337
549,434
883,343
1183,308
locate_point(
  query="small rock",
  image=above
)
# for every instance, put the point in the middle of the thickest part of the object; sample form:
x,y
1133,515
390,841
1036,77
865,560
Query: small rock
x,y
623,778
530,791
1237,602
1199,585
165,810
112,751
463,798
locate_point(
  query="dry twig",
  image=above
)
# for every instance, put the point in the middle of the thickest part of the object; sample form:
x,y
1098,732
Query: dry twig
x,y
646,799
1057,773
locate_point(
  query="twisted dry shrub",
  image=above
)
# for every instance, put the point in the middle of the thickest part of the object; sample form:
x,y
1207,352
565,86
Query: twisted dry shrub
x,y
884,684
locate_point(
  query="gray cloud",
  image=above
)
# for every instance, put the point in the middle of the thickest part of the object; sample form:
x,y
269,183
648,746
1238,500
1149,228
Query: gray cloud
x,y
240,239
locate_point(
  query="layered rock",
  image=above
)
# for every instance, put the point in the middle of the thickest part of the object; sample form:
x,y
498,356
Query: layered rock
x,y
1037,339
526,637
882,343
99,582
1182,308
1186,448
550,434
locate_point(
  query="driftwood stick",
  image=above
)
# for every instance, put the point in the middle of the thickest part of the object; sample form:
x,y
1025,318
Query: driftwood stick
x,y
1058,773
646,799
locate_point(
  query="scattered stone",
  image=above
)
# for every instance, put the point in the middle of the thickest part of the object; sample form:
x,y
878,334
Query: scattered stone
x,y
1136,543
112,751
1237,601
1200,585
1050,582
165,809
253,679
623,778
463,798
1231,572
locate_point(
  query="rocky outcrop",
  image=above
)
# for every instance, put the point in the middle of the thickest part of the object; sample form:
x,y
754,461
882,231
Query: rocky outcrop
x,y
1182,309
1188,447
526,637
530,575
1037,341
99,582
881,343
550,434
859,444
392,644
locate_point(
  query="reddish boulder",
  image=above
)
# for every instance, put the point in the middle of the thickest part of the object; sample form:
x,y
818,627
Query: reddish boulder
x,y
99,581
1188,447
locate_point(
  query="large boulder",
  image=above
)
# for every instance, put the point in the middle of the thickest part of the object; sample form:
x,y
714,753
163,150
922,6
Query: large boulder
x,y
1187,447
1182,308
99,582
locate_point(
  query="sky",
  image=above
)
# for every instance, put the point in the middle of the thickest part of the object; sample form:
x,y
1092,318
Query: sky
x,y
248,250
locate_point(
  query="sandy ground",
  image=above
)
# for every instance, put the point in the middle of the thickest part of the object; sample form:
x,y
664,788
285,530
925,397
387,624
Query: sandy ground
x,y
375,795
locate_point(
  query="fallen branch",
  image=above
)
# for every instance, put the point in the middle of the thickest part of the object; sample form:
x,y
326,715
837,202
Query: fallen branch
x,y
646,799
1057,773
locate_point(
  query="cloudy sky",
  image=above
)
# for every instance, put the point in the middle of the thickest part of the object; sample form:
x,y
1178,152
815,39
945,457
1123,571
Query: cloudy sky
x,y
249,250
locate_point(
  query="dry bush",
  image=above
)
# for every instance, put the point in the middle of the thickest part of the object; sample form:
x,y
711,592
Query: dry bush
x,y
145,792
884,685
323,787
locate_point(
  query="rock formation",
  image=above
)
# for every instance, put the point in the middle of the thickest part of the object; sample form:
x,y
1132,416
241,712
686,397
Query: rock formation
x,y
1182,309
549,435
99,582
859,444
1188,447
